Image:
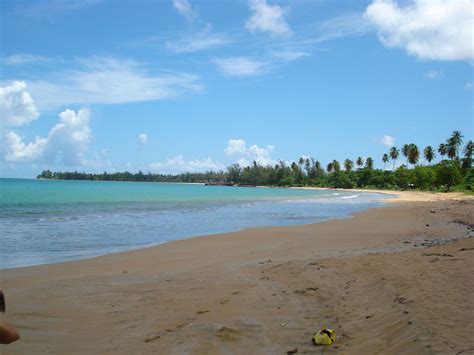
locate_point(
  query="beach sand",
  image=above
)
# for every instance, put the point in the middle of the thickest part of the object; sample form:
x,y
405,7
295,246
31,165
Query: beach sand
x,y
396,279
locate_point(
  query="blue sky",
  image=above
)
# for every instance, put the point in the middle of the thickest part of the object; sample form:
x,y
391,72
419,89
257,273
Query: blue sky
x,y
191,85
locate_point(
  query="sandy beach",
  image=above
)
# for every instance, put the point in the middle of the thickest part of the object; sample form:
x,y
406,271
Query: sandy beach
x,y
396,279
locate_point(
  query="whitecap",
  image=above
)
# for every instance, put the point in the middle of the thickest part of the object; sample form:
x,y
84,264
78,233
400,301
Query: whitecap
x,y
351,196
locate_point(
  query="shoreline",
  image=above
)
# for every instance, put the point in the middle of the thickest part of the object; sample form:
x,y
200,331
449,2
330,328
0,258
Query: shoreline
x,y
401,196
243,229
263,290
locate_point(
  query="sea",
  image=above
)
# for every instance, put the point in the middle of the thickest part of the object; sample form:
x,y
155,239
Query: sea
x,y
49,221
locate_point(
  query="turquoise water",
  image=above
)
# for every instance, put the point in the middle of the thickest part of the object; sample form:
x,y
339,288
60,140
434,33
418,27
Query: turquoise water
x,y
43,221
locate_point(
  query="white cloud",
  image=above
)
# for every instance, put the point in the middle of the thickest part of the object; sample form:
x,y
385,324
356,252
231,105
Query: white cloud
x,y
17,107
235,146
200,41
267,18
178,164
289,55
103,80
184,8
433,74
238,148
428,29
18,151
67,142
20,59
343,26
241,66
387,141
143,138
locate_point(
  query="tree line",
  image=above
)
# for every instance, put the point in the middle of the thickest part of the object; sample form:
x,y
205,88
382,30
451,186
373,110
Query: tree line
x,y
454,172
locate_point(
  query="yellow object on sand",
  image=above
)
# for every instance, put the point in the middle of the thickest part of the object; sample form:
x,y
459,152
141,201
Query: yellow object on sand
x,y
324,337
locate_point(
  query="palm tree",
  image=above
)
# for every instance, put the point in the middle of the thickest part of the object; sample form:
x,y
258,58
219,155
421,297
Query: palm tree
x,y
317,165
348,165
360,162
413,154
406,150
442,150
369,164
335,165
307,166
385,160
394,152
429,153
468,150
330,168
467,161
294,168
301,161
454,142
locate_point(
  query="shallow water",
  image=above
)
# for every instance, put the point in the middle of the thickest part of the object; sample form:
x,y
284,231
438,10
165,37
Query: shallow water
x,y
51,221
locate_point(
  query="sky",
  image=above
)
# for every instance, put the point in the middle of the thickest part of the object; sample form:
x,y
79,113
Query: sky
x,y
192,85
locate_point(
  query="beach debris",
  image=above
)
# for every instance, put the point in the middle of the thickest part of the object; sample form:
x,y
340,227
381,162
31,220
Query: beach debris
x,y
464,249
401,300
292,351
203,311
432,211
437,254
324,336
150,339
124,272
2,302
300,292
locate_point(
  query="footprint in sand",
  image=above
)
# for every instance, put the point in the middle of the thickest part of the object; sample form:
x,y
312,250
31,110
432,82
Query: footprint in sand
x,y
228,334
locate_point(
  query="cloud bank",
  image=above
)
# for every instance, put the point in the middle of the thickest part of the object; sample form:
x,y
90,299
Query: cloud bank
x,y
246,156
17,107
178,164
67,142
427,29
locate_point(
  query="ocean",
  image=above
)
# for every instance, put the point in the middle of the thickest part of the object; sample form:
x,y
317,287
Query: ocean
x,y
46,221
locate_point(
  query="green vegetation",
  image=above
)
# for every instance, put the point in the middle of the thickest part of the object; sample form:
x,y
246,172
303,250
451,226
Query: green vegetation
x,y
455,173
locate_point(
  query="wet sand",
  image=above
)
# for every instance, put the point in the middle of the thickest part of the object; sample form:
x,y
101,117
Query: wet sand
x,y
397,279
